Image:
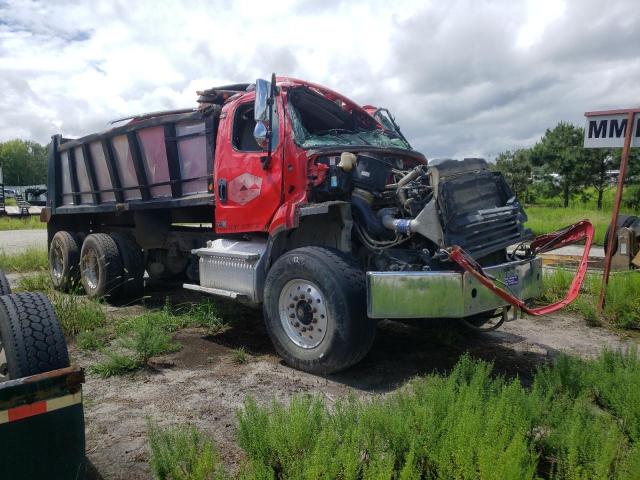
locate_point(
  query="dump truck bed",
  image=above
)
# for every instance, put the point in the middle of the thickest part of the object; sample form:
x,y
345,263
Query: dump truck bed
x,y
162,160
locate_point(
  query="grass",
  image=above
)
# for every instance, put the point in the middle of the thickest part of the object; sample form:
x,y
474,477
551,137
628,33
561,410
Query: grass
x,y
31,222
622,308
29,260
141,337
38,282
240,356
91,340
183,453
549,219
78,314
579,420
115,364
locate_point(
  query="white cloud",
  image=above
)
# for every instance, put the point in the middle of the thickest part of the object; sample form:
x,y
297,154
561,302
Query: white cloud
x,y
463,78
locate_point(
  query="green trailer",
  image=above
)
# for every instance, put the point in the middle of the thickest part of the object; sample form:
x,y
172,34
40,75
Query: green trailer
x,y
41,413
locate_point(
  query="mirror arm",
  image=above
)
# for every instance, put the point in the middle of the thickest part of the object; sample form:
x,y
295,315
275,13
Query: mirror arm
x,y
270,101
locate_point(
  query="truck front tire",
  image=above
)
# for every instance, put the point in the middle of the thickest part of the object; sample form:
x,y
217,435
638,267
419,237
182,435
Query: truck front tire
x,y
315,310
101,271
64,259
30,336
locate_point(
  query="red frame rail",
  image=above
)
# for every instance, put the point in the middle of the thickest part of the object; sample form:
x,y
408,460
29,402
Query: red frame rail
x,y
544,243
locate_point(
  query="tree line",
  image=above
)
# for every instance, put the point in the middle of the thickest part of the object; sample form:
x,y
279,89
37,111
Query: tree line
x,y
558,165
23,162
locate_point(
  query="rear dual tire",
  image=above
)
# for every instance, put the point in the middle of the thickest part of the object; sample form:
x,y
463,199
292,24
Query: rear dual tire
x,y
110,266
315,310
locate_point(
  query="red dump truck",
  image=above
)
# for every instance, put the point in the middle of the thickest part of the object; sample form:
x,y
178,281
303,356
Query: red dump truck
x,y
287,194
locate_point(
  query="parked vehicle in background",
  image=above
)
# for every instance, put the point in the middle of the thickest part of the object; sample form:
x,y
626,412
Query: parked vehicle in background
x,y
288,195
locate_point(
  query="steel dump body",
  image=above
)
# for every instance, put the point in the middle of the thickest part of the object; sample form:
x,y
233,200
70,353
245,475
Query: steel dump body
x,y
163,161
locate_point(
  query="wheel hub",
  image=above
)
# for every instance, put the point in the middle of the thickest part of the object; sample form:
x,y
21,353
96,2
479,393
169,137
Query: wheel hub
x,y
303,313
90,269
57,266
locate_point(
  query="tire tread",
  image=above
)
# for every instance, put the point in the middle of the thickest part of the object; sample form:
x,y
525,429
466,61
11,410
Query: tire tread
x,y
32,335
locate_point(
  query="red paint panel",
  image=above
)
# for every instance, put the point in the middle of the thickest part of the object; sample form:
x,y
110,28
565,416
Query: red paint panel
x,y
26,411
246,211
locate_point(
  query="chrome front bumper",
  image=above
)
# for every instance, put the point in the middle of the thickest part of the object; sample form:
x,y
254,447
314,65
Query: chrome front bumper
x,y
448,294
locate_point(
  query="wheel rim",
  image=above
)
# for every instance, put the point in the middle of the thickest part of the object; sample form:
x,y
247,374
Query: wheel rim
x,y
303,313
57,262
4,366
90,269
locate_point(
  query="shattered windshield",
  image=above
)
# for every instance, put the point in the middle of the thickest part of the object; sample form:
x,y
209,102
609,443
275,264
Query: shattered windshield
x,y
318,122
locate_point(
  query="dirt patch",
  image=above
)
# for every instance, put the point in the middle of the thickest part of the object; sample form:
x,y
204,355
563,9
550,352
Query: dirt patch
x,y
202,385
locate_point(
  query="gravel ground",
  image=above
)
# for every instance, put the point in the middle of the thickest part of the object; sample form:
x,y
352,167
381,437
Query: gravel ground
x,y
202,385
15,241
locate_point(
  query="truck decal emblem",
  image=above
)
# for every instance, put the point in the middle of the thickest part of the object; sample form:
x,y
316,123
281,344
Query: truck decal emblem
x,y
511,279
244,188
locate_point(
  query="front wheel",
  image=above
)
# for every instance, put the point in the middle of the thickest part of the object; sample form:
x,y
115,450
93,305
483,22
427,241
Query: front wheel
x,y
315,310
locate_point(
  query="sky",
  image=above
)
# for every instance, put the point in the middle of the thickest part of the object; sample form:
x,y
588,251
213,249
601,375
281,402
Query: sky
x,y
463,78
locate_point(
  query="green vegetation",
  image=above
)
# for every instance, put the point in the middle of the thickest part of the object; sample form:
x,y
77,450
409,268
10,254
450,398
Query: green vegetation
x,y
30,259
37,282
622,308
183,453
141,337
90,340
31,222
240,356
77,313
549,219
24,162
115,364
580,419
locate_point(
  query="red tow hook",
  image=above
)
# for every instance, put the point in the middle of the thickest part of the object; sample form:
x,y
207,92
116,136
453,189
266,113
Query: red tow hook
x,y
544,243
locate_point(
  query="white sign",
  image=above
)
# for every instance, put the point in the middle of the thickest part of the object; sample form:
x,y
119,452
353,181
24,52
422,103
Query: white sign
x,y
608,131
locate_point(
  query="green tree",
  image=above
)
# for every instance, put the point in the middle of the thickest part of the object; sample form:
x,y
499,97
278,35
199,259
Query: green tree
x,y
597,163
23,162
515,166
560,151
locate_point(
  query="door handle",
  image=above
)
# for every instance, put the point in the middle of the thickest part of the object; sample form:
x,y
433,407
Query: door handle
x,y
222,191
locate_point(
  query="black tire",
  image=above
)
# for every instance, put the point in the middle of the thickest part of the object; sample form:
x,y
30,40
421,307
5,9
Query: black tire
x,y
349,332
132,285
31,335
64,261
5,288
623,221
100,266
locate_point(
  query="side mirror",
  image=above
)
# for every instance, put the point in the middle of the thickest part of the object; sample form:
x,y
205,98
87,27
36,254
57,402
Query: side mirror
x,y
261,134
261,104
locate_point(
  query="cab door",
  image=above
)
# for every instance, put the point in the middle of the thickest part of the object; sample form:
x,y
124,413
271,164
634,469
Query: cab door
x,y
247,194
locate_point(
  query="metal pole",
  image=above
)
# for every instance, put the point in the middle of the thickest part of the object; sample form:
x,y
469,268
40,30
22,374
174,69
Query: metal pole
x,y
624,160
